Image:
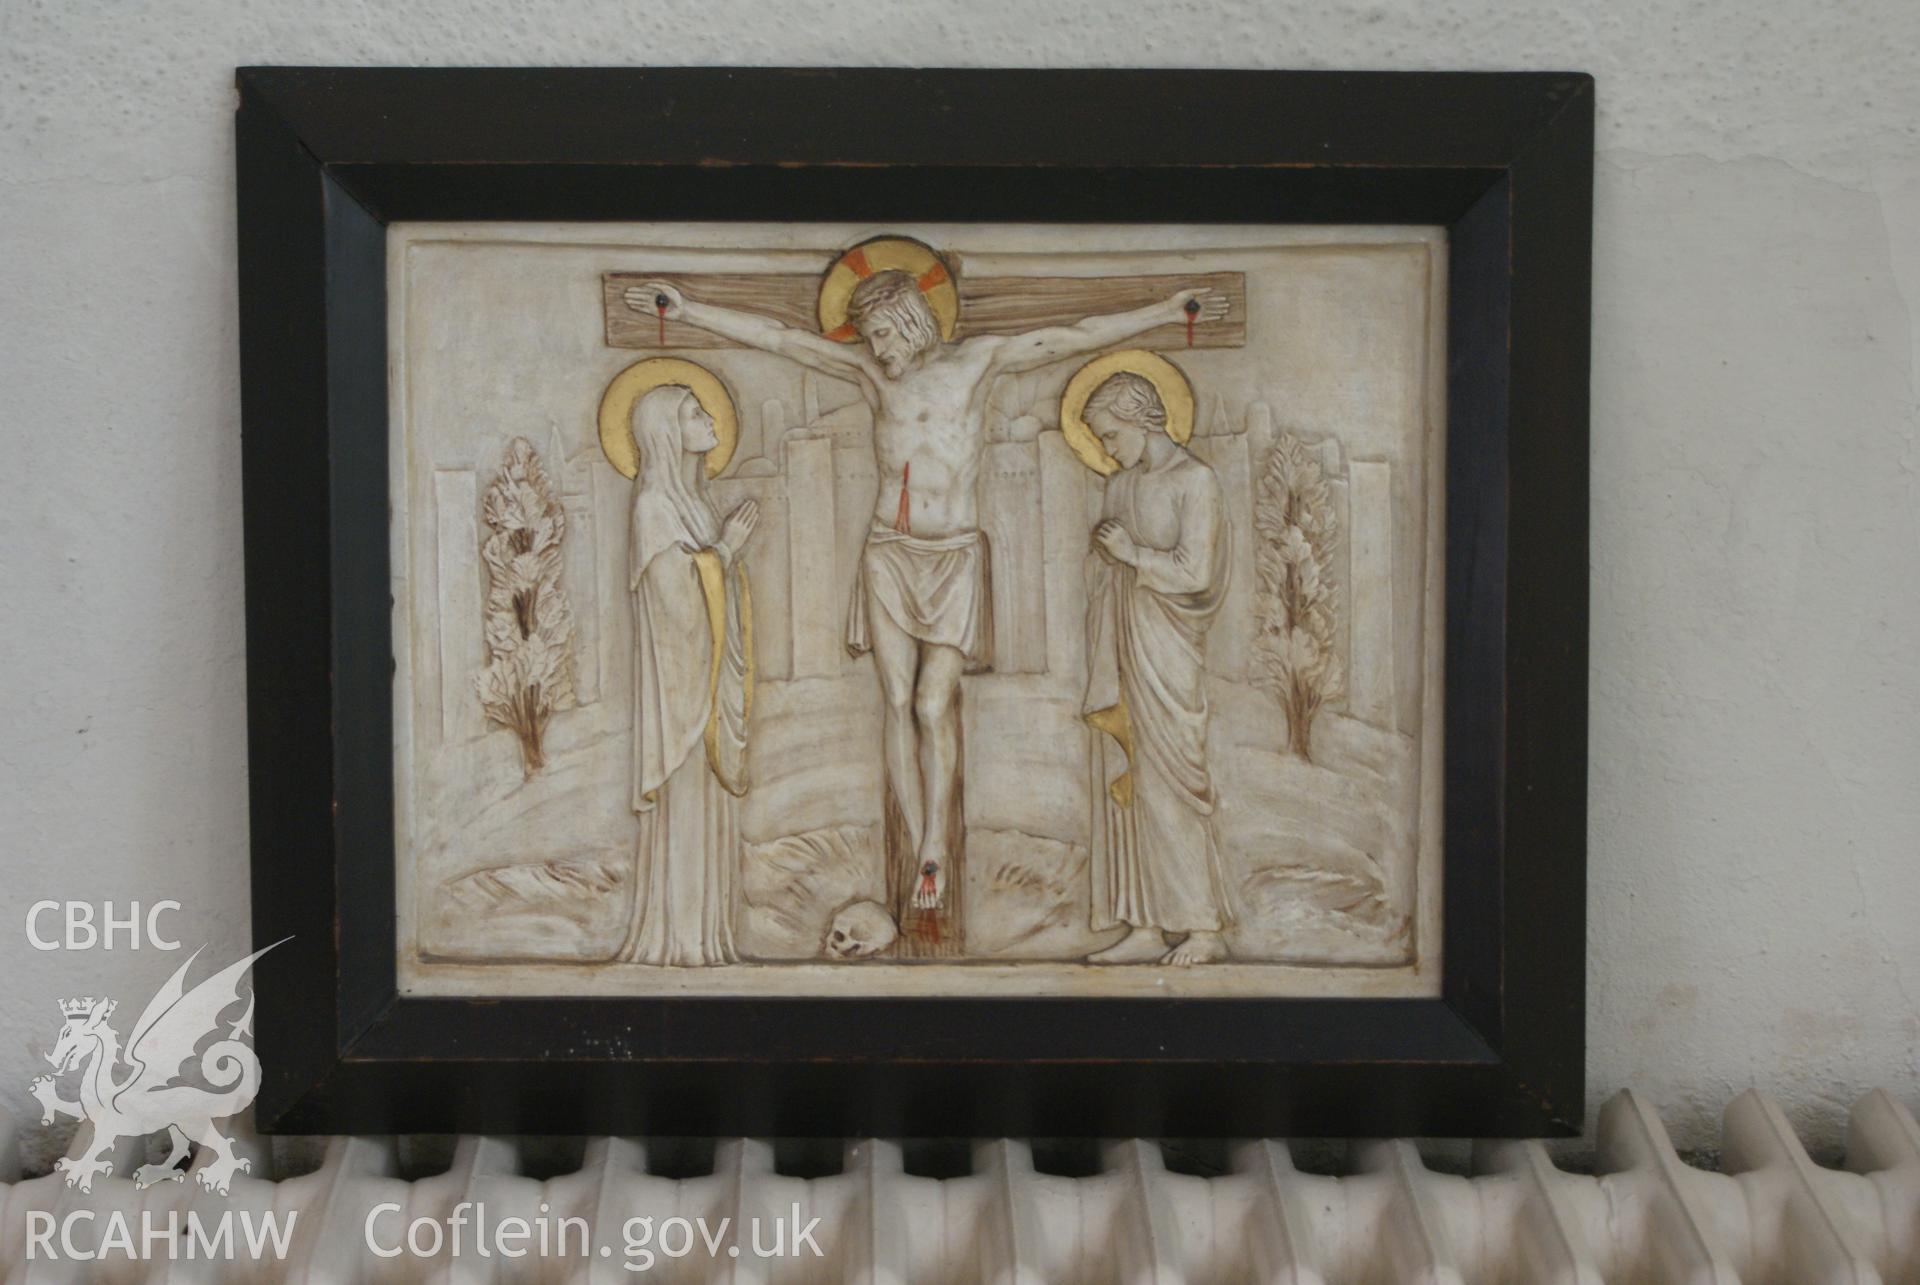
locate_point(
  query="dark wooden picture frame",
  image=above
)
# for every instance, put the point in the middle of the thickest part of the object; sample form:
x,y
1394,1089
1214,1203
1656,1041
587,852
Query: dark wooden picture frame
x,y
327,158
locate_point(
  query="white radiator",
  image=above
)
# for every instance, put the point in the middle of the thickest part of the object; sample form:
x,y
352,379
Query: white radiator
x,y
1772,1218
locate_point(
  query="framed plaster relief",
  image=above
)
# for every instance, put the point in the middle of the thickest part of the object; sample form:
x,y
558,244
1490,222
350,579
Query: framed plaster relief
x,y
930,627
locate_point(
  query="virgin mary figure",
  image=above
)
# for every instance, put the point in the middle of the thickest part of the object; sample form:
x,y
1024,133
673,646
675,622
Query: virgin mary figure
x,y
692,686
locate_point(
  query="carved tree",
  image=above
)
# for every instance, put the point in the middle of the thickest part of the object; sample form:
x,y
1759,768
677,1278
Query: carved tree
x,y
1295,532
529,624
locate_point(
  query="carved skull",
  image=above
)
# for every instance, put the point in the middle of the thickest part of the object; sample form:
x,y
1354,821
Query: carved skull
x,y
861,930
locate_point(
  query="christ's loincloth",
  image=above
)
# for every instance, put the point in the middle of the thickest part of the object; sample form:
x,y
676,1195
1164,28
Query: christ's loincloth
x,y
936,590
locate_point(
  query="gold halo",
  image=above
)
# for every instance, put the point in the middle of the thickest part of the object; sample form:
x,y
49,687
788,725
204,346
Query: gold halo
x,y
918,260
616,410
1176,394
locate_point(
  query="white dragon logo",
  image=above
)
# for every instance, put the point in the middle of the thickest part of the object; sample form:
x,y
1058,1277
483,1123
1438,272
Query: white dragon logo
x,y
150,1097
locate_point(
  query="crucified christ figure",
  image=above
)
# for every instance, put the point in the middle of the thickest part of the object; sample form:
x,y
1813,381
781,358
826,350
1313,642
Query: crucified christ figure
x,y
922,607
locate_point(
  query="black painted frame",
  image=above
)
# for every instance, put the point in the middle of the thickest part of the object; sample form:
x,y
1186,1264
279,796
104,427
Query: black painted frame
x,y
328,157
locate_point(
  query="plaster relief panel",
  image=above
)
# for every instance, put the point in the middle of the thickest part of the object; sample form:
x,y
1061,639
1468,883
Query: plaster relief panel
x,y
945,609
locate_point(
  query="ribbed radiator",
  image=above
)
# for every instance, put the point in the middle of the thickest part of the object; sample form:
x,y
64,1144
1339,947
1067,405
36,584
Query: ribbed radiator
x,y
1120,1214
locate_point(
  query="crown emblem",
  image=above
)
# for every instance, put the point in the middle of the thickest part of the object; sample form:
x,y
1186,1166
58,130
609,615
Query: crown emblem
x,y
76,1007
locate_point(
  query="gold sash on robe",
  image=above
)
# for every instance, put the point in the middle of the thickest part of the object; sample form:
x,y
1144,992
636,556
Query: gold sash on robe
x,y
1114,722
713,587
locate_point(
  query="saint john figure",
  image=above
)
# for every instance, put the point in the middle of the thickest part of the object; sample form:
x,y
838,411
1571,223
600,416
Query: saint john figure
x,y
1157,578
692,685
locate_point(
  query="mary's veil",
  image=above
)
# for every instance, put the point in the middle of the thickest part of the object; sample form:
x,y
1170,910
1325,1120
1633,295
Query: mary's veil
x,y
671,505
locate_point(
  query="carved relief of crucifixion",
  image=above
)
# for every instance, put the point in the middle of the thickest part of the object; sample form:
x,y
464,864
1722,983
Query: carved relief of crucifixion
x,y
923,343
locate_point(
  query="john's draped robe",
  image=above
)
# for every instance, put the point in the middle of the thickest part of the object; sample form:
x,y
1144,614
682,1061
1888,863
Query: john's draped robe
x,y
1155,860
692,685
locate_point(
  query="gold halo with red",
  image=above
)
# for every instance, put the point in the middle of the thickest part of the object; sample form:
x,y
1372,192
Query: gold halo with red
x,y
902,254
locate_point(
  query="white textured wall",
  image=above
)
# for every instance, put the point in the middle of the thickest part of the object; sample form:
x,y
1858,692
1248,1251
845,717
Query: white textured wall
x,y
1756,476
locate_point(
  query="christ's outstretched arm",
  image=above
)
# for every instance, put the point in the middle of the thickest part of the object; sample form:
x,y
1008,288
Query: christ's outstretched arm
x,y
1035,348
842,361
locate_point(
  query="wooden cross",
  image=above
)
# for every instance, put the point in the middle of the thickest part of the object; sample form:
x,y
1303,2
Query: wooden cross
x,y
988,305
